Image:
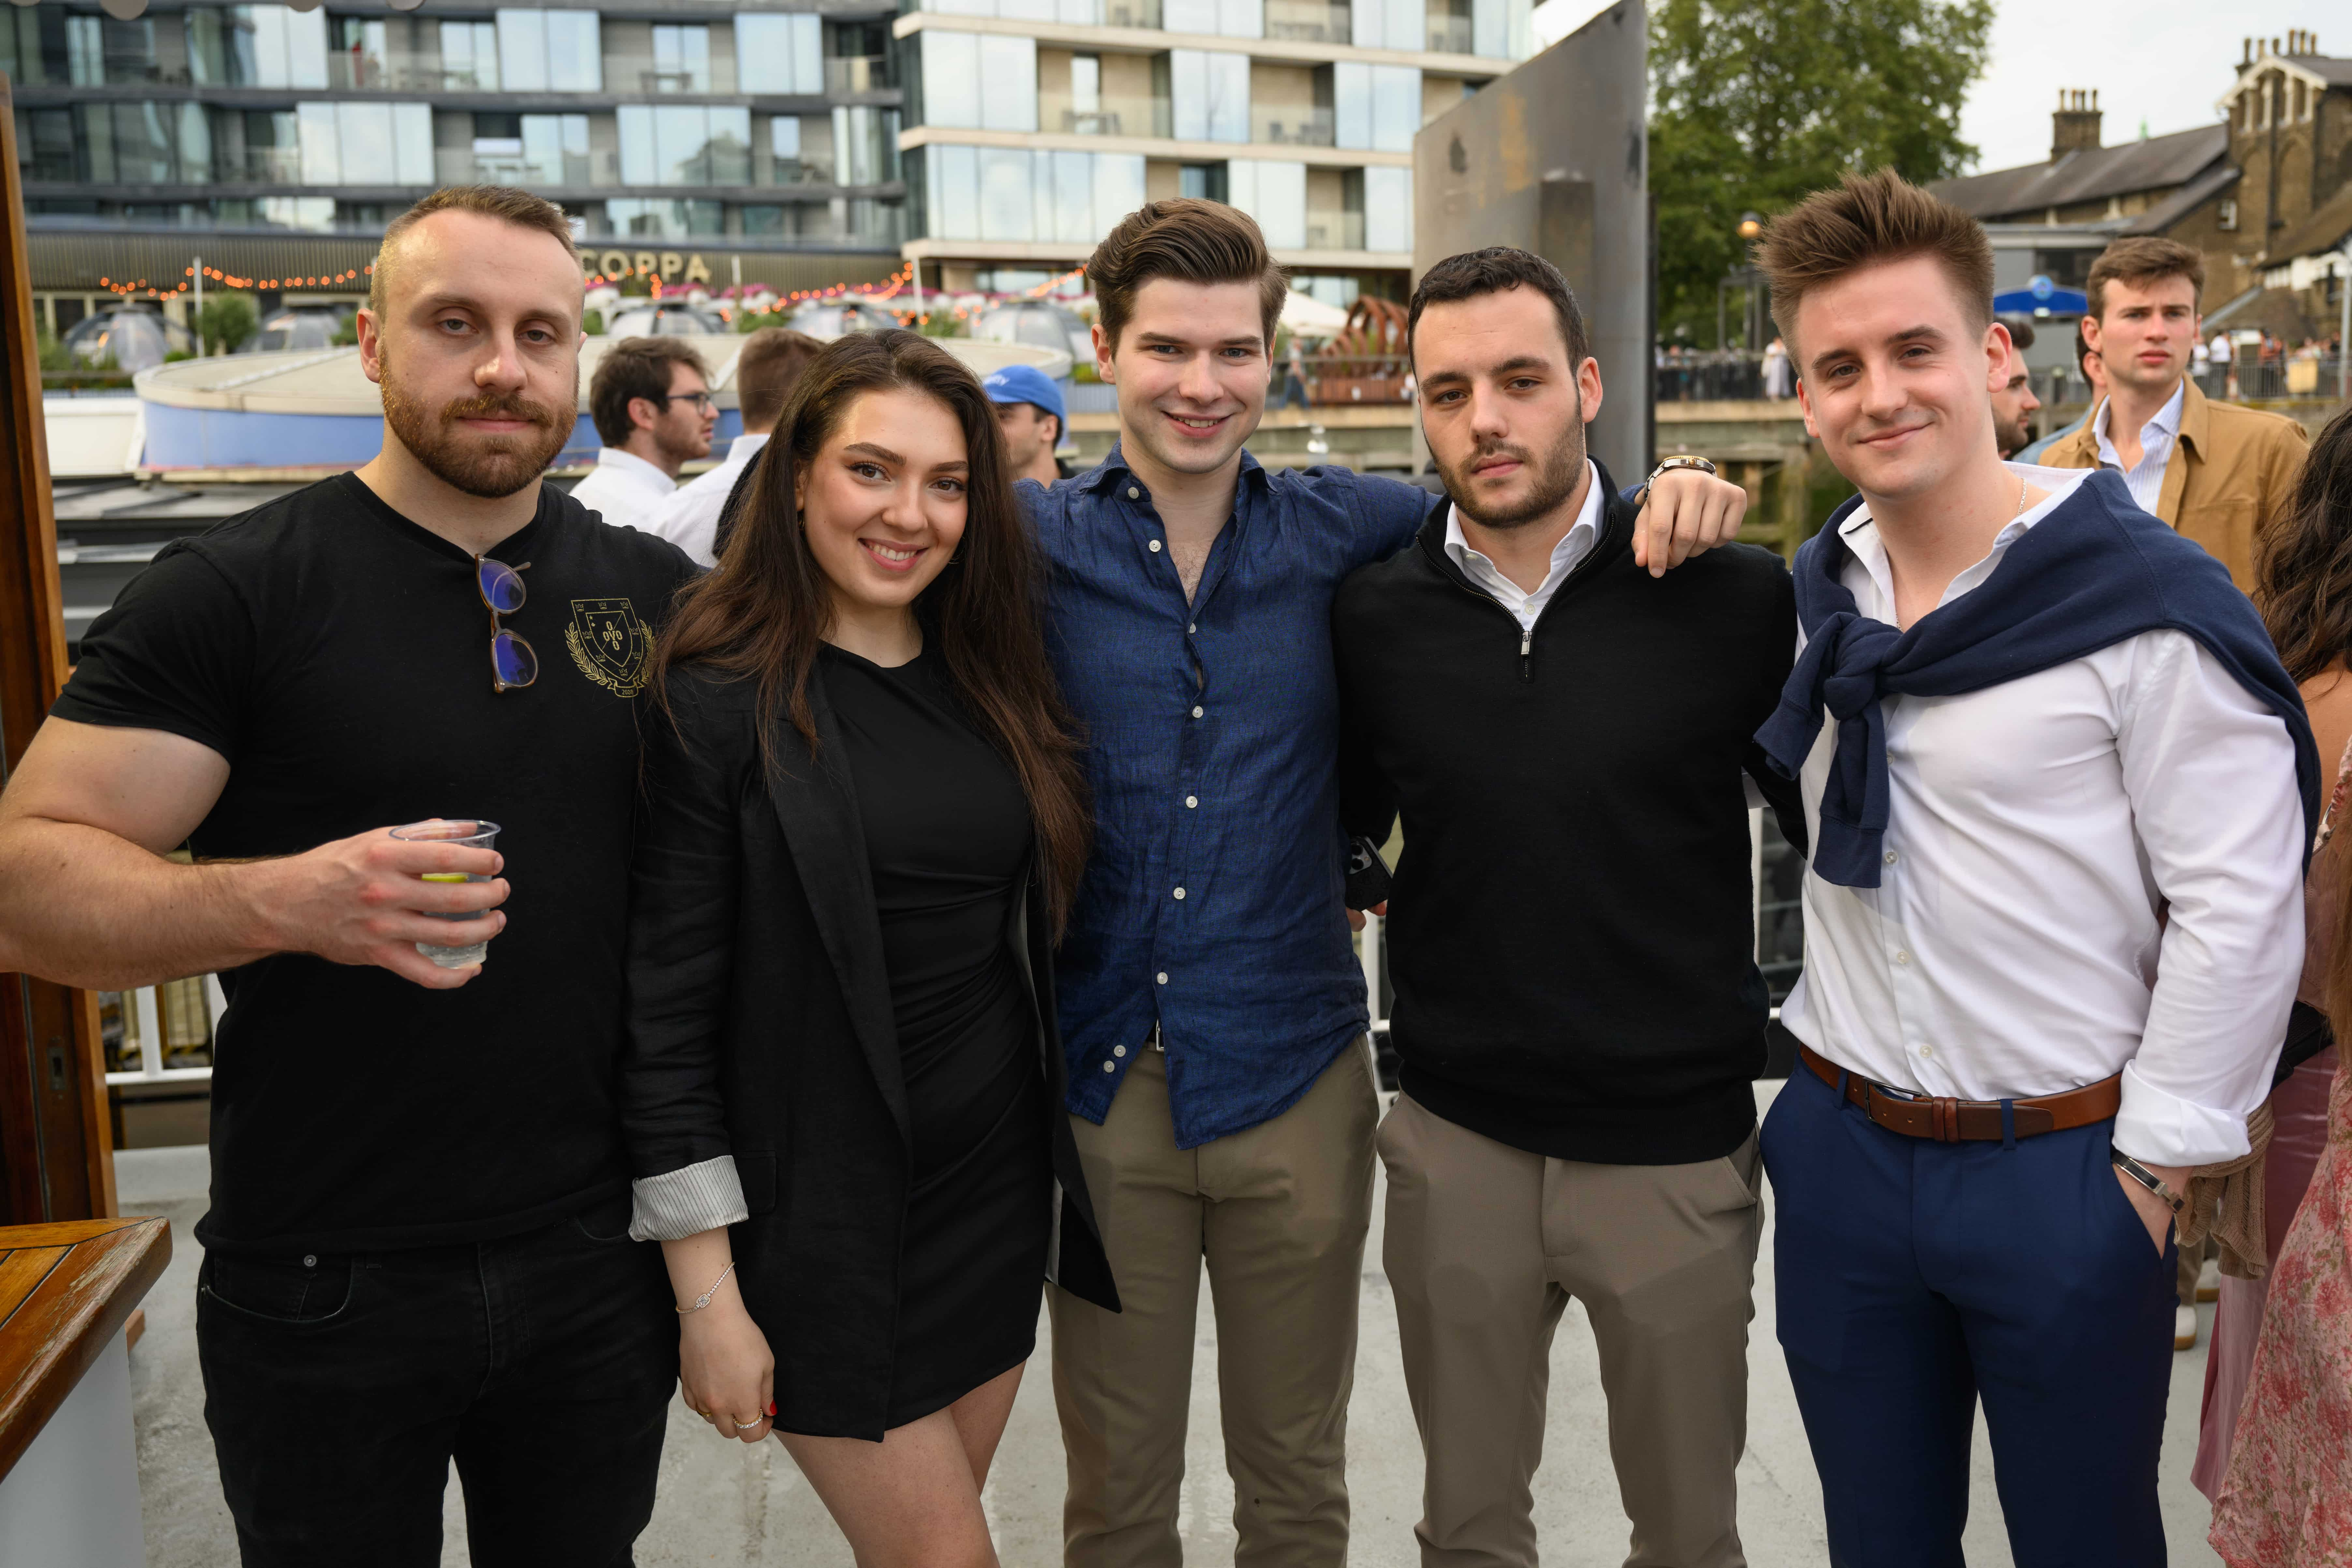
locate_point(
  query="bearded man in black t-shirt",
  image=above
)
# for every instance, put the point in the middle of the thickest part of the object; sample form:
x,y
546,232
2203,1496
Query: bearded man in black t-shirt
x,y
417,1248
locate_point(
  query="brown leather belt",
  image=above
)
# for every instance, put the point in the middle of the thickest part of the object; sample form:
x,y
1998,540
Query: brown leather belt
x,y
1948,1121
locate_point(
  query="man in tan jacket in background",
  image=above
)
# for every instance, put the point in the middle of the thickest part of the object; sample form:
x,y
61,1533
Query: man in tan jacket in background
x,y
2216,472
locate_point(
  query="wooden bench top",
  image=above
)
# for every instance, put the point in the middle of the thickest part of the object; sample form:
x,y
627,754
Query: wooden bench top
x,y
65,1292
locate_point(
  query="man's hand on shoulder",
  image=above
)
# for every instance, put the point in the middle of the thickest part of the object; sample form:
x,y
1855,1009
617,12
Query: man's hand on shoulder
x,y
1687,513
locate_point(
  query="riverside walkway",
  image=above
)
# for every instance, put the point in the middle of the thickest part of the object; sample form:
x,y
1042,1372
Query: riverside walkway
x,y
723,1503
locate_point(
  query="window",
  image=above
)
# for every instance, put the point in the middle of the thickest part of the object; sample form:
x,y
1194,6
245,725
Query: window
x,y
85,52
780,54
1209,96
1225,18
1079,13
1392,24
1388,210
682,59
148,143
978,81
361,48
257,46
988,193
661,219
551,52
1201,182
865,145
1085,84
1375,107
365,143
1276,194
470,56
45,143
685,144
2225,216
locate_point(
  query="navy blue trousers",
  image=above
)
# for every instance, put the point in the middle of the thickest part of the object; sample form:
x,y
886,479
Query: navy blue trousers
x,y
1916,1278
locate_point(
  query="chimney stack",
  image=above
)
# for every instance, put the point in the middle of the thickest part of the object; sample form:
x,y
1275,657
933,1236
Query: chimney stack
x,y
2074,128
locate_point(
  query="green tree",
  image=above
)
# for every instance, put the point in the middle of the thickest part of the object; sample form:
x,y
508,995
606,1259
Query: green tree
x,y
1755,103
228,319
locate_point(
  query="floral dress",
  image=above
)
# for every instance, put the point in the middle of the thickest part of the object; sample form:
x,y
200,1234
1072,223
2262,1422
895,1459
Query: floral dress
x,y
2287,1500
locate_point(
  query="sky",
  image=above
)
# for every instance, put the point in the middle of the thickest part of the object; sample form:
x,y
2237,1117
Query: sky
x,y
2161,61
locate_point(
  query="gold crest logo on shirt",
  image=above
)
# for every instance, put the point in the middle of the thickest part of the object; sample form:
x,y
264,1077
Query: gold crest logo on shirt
x,y
609,644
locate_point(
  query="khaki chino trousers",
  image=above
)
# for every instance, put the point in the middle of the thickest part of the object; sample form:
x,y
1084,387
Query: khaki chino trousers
x,y
1484,1244
1279,1211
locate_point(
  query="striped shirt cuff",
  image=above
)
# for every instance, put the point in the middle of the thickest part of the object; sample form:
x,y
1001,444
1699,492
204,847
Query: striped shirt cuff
x,y
687,1202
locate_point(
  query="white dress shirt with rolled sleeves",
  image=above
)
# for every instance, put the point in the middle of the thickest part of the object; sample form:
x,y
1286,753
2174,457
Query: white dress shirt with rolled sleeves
x,y
624,489
2093,870
690,518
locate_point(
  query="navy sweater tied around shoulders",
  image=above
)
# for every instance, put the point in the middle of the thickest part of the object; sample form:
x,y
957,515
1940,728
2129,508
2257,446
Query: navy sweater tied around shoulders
x,y
2094,570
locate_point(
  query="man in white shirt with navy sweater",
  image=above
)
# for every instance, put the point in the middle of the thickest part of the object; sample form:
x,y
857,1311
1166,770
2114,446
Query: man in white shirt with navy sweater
x,y
2057,786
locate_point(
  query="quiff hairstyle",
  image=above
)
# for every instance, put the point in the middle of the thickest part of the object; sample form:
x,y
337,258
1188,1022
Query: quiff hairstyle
x,y
501,202
1865,220
766,366
1191,240
2140,261
631,369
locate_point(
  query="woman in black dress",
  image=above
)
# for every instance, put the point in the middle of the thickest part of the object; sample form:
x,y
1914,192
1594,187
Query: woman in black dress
x,y
864,823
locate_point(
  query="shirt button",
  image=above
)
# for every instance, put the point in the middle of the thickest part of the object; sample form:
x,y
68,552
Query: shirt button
x,y
1927,1051
1890,857
1192,801
1180,892
1118,1051
309,1260
1190,630
1155,547
1902,957
1197,712
1163,977
1134,494
1110,1066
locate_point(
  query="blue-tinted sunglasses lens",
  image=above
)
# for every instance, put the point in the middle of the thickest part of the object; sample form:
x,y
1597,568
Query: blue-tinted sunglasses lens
x,y
501,587
513,659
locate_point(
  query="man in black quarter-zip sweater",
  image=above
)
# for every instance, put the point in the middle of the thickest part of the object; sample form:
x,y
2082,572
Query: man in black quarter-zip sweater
x,y
1571,936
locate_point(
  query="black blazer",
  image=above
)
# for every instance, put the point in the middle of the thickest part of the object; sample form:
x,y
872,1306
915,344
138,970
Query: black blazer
x,y
760,1026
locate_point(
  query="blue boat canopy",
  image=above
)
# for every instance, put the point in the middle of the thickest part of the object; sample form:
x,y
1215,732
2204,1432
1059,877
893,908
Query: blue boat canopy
x,y
2041,297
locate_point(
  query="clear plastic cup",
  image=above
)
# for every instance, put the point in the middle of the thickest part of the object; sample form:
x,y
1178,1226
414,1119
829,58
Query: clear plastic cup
x,y
473,835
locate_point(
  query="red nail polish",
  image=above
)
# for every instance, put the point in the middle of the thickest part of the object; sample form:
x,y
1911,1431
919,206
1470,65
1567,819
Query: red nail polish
x,y
771,1409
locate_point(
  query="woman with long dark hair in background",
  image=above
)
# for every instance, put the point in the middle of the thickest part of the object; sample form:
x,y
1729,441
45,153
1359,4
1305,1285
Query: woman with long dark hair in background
x,y
865,822
2272,1452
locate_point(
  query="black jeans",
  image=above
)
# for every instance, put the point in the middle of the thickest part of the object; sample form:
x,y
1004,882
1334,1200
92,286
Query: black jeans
x,y
339,1388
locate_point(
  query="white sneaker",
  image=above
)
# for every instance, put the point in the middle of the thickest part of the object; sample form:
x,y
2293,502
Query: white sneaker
x,y
2184,1328
2209,1281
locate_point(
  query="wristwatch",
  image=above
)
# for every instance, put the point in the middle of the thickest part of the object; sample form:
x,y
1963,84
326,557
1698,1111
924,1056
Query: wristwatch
x,y
2148,1179
1666,466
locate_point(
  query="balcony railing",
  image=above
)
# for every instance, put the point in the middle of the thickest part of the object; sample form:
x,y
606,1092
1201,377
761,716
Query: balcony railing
x,y
1335,231
1449,34
462,166
857,73
1711,375
1308,21
1297,127
160,1034
1130,14
1131,117
644,73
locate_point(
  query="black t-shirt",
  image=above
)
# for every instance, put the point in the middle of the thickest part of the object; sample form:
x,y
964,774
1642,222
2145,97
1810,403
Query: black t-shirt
x,y
338,656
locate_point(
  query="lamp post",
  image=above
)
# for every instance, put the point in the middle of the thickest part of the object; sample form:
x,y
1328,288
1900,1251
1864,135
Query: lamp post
x,y
1743,277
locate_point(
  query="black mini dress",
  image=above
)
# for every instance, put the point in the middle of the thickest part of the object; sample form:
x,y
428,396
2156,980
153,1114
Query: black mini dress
x,y
948,839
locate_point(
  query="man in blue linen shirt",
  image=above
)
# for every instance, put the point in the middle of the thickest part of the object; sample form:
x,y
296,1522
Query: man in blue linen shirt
x,y
1210,1003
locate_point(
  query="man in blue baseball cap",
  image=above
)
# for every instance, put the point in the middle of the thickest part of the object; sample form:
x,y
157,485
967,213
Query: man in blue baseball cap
x,y
1029,411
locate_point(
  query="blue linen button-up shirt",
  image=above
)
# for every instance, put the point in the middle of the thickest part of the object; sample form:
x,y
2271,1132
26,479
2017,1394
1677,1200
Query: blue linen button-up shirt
x,y
1213,902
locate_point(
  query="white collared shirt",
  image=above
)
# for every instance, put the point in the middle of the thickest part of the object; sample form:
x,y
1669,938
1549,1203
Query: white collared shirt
x,y
690,518
2146,479
2093,869
625,489
1573,547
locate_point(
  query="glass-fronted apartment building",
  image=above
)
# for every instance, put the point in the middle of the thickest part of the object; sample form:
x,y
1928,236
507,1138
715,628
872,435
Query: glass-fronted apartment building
x,y
1031,125
750,127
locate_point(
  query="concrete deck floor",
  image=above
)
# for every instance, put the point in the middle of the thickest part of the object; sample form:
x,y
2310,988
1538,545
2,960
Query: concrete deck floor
x,y
720,1502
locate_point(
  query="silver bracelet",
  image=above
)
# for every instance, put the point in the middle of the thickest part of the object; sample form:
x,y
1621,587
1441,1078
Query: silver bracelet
x,y
2148,1179
704,1299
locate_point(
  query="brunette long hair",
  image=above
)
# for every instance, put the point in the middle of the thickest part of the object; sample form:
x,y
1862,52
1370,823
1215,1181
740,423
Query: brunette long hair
x,y
2303,562
763,611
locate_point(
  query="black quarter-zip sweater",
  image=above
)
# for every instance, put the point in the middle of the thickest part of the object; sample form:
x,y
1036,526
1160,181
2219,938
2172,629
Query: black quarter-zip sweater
x,y
1571,935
